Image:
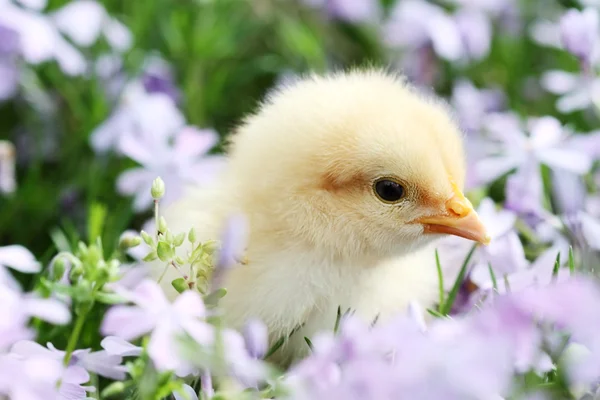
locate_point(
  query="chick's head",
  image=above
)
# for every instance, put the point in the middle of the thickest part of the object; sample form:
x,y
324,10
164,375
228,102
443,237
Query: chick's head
x,y
356,163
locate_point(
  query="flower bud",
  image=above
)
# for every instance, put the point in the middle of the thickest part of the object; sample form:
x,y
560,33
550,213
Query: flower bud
x,y
128,242
158,189
162,224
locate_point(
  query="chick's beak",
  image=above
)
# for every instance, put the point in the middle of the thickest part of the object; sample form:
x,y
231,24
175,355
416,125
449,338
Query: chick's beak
x,y
459,219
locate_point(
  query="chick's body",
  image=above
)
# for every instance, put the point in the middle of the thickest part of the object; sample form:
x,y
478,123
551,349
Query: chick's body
x,y
323,233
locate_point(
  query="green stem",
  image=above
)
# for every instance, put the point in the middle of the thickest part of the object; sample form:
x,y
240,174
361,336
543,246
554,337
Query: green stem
x,y
156,217
75,336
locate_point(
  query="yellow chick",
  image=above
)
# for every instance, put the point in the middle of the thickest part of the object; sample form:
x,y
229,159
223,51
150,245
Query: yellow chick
x,y
346,180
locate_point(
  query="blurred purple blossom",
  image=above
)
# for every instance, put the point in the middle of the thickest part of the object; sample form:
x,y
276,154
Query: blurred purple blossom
x,y
462,36
180,162
355,11
234,239
16,309
40,38
99,362
9,72
152,313
84,21
511,148
18,258
473,105
31,378
576,91
579,31
119,347
256,337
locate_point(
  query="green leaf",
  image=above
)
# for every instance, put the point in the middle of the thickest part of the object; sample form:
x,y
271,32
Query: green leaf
x,y
440,277
571,260
556,266
96,218
180,285
493,276
212,299
109,298
338,317
445,310
275,347
435,313
164,251
308,342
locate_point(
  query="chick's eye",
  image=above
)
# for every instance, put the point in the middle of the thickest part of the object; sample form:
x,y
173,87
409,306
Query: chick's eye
x,y
389,191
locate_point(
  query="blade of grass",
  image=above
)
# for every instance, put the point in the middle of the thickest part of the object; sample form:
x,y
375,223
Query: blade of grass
x,y
275,347
308,342
337,320
571,260
440,276
445,309
493,276
556,266
435,313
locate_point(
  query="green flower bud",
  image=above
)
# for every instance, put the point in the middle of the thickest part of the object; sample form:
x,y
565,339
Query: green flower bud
x,y
192,235
150,256
158,189
58,268
76,272
113,389
169,237
128,242
162,224
147,238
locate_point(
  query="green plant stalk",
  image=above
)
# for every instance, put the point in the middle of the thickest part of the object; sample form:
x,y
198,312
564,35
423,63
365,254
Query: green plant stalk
x,y
75,335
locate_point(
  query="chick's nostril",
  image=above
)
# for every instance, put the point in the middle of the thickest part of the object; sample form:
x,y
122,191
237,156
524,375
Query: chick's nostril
x,y
457,209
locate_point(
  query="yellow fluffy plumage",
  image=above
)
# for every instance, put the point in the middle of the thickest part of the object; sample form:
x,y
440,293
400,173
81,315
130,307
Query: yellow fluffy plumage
x,y
304,169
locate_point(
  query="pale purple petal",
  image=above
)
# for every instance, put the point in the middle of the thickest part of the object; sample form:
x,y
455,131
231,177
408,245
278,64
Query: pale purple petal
x,y
445,37
256,337
50,310
118,35
19,258
120,347
81,21
127,322
193,142
559,82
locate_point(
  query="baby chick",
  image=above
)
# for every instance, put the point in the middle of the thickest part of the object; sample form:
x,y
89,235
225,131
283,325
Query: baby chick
x,y
346,180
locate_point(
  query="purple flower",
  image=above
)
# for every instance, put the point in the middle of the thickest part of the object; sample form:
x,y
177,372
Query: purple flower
x,y
576,91
473,104
116,346
354,11
40,40
32,378
256,337
17,308
9,74
153,116
99,362
179,163
233,246
18,258
153,313
84,21
579,32
547,143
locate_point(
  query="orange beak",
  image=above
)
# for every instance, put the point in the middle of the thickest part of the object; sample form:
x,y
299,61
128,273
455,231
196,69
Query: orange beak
x,y
458,218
